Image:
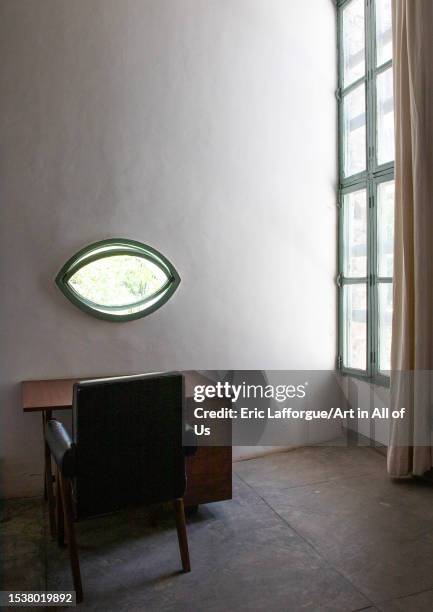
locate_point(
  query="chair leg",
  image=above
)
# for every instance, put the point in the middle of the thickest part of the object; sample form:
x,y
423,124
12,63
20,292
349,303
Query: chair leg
x,y
65,485
181,533
60,519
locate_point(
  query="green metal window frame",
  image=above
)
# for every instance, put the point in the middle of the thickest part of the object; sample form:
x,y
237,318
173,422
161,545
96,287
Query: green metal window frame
x,y
369,179
117,246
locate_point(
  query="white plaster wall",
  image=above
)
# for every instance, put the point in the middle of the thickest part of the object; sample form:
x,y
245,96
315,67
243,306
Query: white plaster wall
x,y
205,128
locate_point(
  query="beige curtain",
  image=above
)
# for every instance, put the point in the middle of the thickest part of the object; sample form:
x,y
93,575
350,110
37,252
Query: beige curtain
x,y
410,449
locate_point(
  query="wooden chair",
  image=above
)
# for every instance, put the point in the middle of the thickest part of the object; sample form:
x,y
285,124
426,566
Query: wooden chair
x,y
126,449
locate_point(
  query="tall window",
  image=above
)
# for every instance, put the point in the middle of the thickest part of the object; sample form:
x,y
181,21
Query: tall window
x,y
366,186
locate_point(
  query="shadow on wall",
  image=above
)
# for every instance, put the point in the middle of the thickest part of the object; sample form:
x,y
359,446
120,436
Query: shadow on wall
x,y
273,391
21,449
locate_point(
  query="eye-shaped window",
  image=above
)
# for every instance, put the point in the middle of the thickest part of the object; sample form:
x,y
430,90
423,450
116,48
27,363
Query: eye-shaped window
x,y
118,279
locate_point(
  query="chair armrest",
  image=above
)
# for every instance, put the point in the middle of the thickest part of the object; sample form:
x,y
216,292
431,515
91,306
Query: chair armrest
x,y
61,447
190,446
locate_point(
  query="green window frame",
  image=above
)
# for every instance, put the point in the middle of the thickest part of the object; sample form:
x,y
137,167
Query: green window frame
x,y
370,282
114,247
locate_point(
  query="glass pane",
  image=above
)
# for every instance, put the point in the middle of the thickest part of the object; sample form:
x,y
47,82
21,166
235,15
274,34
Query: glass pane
x,y
118,280
354,131
355,234
385,325
353,42
383,31
385,228
355,326
385,117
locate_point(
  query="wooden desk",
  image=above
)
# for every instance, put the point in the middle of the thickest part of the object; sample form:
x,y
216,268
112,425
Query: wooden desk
x,y
209,471
47,395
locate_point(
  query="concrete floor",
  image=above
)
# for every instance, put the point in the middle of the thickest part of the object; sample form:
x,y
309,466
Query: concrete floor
x,y
318,528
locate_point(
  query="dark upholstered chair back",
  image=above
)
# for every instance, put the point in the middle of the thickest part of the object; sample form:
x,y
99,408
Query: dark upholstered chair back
x,y
128,437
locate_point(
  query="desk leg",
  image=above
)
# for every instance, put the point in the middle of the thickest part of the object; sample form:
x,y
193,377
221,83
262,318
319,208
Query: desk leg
x,y
45,457
48,478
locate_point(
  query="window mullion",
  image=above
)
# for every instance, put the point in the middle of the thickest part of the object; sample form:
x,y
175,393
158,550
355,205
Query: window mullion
x,y
370,95
371,228
372,284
